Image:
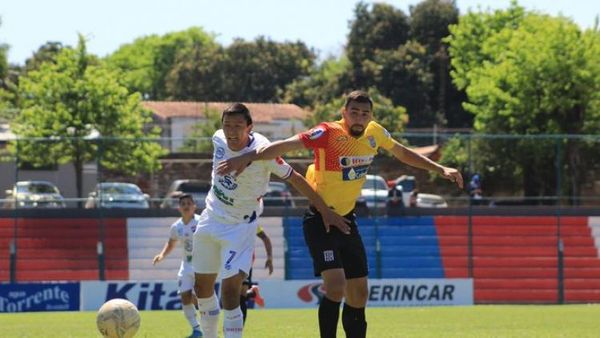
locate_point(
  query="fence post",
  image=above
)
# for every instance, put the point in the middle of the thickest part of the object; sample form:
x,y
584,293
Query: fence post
x,y
13,260
560,244
470,216
100,252
99,207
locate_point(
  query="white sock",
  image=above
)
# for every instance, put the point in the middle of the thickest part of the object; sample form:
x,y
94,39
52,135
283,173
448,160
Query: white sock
x,y
209,316
233,323
190,314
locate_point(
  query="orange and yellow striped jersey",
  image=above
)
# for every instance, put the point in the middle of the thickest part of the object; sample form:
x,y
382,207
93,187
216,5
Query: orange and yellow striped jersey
x,y
341,161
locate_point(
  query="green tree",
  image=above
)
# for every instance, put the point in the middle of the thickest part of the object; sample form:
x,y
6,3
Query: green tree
x,y
429,25
46,53
527,73
7,86
67,102
146,63
259,70
326,82
195,75
200,139
403,75
376,27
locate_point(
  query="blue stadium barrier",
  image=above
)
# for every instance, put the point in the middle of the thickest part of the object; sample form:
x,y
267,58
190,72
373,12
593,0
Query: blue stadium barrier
x,y
408,248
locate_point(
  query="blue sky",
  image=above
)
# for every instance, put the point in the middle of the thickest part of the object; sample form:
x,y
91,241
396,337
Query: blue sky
x,y
321,24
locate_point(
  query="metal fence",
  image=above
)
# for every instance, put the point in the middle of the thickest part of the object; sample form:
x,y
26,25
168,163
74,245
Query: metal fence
x,y
498,170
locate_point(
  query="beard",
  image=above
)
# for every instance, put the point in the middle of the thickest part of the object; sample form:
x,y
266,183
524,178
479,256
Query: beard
x,y
357,130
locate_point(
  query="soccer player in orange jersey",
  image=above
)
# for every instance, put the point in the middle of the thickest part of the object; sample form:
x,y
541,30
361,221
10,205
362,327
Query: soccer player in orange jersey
x,y
343,152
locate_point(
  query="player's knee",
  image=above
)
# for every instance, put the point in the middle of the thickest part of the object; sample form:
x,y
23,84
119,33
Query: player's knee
x,y
335,292
230,297
203,290
361,295
186,297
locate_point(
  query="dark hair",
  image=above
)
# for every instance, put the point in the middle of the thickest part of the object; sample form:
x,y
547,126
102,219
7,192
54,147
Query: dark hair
x,y
238,109
184,196
358,96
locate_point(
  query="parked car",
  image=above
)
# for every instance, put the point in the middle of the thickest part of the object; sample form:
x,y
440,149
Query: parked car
x,y
197,188
278,194
117,195
403,187
374,192
430,201
34,194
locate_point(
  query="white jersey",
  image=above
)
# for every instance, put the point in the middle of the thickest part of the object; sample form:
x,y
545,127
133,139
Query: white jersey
x,y
235,200
184,233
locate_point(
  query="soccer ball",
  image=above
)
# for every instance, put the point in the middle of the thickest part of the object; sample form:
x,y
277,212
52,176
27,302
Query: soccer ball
x,y
118,318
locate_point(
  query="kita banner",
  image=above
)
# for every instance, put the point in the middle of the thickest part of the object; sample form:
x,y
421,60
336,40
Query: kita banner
x,y
26,297
382,292
146,295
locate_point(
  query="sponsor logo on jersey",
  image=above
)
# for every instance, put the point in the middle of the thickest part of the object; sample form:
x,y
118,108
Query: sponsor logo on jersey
x,y
354,173
372,142
219,153
342,138
316,133
228,182
351,161
221,196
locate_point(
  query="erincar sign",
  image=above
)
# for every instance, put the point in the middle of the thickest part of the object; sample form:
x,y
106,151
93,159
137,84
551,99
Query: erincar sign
x,y
382,292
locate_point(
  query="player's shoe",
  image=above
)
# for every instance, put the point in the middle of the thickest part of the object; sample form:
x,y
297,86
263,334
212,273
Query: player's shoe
x,y
257,298
196,334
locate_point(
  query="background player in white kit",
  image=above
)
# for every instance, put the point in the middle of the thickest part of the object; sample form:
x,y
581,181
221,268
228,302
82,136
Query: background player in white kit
x,y
183,231
224,237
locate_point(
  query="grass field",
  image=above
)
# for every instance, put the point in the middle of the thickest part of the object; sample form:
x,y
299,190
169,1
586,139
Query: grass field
x,y
473,321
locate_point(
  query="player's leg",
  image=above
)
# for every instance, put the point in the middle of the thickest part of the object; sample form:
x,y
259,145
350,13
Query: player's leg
x,y
356,270
186,281
244,295
233,318
236,256
326,263
206,260
353,313
189,311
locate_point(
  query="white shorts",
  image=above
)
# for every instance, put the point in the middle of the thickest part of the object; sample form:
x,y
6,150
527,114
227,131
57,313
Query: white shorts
x,y
223,248
185,277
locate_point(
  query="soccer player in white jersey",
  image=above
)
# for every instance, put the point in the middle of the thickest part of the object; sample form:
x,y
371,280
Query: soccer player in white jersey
x,y
183,231
224,237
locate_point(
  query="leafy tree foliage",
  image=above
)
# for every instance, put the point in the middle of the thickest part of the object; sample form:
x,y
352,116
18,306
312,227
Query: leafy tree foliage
x,y
527,73
381,27
149,61
200,140
68,103
259,70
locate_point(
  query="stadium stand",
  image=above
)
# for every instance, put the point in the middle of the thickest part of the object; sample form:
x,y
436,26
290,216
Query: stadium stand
x,y
63,249
515,259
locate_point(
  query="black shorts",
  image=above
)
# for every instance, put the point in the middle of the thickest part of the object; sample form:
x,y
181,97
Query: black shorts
x,y
335,250
248,281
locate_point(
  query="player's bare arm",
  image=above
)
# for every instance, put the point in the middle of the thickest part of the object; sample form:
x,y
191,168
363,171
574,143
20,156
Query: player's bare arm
x,y
269,249
165,251
413,159
238,164
330,218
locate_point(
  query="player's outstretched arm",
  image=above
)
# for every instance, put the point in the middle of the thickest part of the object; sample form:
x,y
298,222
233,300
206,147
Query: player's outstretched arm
x,y
165,251
413,159
330,218
239,163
